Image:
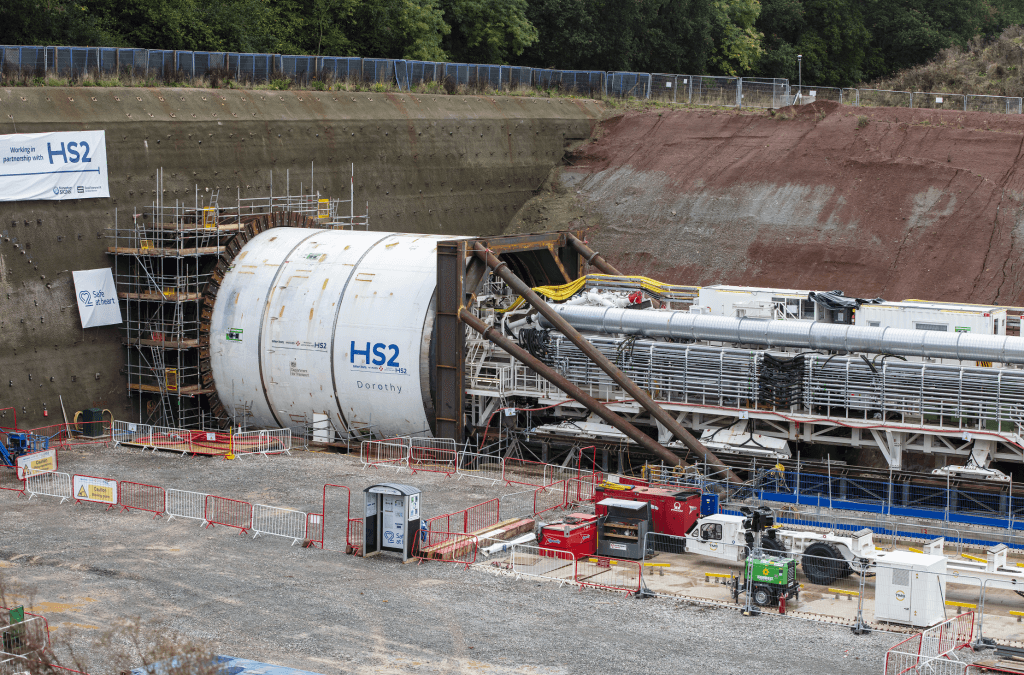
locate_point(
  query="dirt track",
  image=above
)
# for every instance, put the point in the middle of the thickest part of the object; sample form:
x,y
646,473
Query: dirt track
x,y
876,201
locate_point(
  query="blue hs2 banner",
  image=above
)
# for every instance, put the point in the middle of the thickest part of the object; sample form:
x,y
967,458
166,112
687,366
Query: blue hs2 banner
x,y
57,165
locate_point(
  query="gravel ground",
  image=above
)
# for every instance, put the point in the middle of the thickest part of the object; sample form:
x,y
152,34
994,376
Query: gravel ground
x,y
332,613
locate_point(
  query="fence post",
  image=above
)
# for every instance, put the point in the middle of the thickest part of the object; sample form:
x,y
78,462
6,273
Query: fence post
x,y
739,92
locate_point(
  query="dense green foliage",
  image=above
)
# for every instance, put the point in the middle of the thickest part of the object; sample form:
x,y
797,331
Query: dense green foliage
x,y
842,41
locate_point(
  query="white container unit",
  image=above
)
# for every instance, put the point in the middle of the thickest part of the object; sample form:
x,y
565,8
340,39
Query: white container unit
x,y
318,325
937,316
757,303
910,588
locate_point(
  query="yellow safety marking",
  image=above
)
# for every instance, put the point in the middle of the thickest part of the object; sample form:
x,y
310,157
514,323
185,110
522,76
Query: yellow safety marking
x,y
657,564
1020,564
965,605
839,591
972,557
718,575
915,550
1014,612
610,562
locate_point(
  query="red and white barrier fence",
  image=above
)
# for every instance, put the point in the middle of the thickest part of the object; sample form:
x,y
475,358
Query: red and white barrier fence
x,y
275,521
549,498
185,504
142,497
482,515
437,455
21,641
10,482
524,472
229,513
315,528
355,535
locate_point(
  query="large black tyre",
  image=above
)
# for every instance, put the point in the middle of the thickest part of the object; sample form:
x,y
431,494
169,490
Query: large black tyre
x,y
772,546
823,563
763,596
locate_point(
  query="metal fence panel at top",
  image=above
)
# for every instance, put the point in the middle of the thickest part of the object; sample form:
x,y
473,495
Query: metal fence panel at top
x,y
626,85
677,88
378,70
883,98
994,104
759,92
716,91
418,72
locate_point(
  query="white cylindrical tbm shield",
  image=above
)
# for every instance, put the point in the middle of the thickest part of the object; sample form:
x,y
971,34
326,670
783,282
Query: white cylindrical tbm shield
x,y
336,323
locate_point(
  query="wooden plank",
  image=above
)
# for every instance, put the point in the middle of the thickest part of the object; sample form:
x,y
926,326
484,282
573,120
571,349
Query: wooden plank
x,y
153,296
167,252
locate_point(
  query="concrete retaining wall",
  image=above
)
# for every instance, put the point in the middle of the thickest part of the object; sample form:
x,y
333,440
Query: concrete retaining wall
x,y
432,164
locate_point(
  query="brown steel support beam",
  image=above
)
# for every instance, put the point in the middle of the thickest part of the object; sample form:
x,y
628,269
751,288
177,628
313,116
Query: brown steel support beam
x,y
592,257
569,388
449,337
584,345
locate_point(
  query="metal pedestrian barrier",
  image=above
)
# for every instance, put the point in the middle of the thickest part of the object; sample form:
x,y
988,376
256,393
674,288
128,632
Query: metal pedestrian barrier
x,y
275,521
393,452
534,561
142,497
52,484
432,454
262,442
229,513
185,504
609,573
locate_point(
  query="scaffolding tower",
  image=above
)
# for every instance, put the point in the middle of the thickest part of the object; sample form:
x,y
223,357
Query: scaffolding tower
x,y
164,258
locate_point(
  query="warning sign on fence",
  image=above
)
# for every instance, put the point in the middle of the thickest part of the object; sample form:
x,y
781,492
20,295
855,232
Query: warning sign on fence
x,y
89,489
34,463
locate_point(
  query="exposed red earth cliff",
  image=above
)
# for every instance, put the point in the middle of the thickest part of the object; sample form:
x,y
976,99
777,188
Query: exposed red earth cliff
x,y
887,202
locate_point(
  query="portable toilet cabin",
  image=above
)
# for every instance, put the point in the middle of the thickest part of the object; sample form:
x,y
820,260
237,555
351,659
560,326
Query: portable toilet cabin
x,y
392,519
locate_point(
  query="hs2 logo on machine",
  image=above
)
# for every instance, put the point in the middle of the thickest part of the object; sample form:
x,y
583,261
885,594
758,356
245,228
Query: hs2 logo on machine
x,y
378,357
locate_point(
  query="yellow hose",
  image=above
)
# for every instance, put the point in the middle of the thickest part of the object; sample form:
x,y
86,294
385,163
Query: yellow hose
x,y
566,291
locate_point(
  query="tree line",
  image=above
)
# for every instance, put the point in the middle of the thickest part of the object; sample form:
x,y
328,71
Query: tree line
x,y
843,42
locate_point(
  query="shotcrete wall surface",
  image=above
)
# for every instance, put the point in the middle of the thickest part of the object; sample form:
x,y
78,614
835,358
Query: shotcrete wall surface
x,y
884,202
424,163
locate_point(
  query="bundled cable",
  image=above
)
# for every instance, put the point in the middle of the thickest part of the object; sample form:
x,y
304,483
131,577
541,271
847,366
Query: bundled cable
x,y
781,381
535,341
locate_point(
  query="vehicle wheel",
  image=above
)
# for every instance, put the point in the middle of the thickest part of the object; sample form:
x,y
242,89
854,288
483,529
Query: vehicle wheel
x,y
772,546
763,597
823,563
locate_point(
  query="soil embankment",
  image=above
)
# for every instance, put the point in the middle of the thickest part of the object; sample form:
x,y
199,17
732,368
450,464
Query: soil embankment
x,y
884,202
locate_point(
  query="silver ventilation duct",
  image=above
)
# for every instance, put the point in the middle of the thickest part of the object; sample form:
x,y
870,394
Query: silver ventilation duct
x,y
805,334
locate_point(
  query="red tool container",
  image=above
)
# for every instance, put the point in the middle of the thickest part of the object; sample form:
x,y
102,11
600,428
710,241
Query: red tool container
x,y
576,533
675,511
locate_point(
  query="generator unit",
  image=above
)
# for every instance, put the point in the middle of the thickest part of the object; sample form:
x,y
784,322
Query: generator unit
x,y
768,578
910,588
